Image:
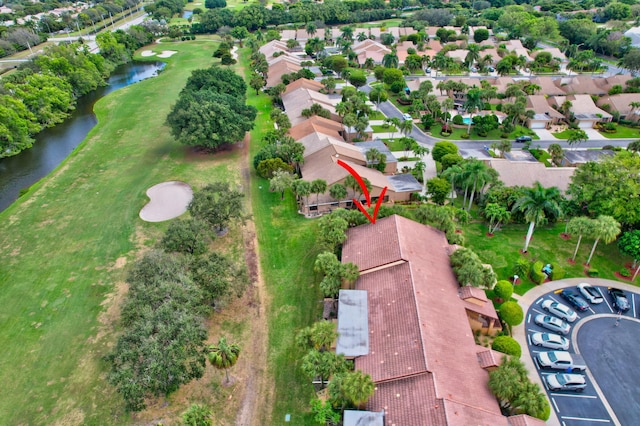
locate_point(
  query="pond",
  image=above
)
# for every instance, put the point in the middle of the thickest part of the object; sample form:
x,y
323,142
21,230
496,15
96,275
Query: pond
x,y
54,144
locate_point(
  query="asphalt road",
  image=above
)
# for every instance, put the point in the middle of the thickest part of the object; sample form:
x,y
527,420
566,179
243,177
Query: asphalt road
x,y
610,352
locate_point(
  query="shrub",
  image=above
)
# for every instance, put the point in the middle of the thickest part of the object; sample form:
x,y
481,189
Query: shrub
x,y
457,119
507,345
593,273
557,273
536,274
511,313
522,267
503,289
466,136
624,272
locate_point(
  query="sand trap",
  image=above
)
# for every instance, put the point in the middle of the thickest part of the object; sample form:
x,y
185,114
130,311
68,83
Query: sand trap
x,y
167,200
147,53
167,53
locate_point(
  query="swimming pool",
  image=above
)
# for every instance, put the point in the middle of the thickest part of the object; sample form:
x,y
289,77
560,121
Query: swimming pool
x,y
466,120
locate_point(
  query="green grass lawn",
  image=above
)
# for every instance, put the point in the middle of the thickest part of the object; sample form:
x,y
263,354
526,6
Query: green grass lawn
x,y
492,135
379,128
287,254
623,132
564,135
503,250
61,240
394,144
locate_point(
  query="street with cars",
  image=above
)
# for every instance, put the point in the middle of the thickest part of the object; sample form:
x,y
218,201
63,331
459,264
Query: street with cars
x,y
584,346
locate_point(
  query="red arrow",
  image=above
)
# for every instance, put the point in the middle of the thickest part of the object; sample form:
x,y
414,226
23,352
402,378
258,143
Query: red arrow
x,y
365,191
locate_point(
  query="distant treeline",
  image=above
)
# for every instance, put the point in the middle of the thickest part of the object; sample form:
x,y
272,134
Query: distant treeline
x,y
43,91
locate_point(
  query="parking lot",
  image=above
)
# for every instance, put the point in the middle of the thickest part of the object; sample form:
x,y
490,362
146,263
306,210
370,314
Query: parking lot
x,y
610,351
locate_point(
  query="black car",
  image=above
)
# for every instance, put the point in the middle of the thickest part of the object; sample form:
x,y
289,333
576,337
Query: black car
x,y
574,300
523,139
619,299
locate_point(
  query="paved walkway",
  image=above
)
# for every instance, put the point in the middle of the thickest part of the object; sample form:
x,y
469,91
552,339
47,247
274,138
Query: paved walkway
x,y
520,333
593,134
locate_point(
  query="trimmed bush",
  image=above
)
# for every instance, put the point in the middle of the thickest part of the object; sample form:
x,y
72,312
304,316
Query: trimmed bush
x,y
557,273
507,345
457,119
503,289
536,274
593,273
511,313
624,272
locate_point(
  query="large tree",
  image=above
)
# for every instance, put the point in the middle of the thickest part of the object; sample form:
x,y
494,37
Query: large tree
x,y
609,187
217,204
629,244
538,205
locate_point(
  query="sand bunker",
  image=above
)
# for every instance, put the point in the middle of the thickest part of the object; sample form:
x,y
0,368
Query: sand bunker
x,y
147,53
167,201
167,53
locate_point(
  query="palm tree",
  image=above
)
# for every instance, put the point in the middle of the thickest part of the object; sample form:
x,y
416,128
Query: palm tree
x,y
472,55
605,228
347,33
390,60
338,192
634,147
478,175
635,106
556,152
318,186
357,388
223,355
538,203
311,29
580,225
453,173
447,104
496,215
474,101
395,123
406,127
576,136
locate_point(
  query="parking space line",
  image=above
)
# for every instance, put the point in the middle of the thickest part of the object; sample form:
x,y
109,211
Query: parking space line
x,y
608,305
554,299
586,419
528,318
541,312
575,396
633,303
532,331
529,339
539,300
592,311
555,405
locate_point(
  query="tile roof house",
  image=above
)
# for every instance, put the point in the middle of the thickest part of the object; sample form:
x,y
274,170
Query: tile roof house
x,y
317,124
370,49
304,83
280,68
525,173
272,47
480,311
555,53
423,358
544,116
295,101
580,84
586,112
547,86
621,103
607,83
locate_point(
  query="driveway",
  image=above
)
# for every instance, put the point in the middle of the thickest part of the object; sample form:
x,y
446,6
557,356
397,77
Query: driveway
x,y
544,135
598,405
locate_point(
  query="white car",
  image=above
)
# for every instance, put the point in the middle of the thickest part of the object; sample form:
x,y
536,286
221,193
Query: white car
x,y
561,311
561,381
550,341
552,323
407,116
590,293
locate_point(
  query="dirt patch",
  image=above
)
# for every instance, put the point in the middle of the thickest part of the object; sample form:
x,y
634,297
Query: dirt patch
x,y
258,396
565,236
110,316
119,263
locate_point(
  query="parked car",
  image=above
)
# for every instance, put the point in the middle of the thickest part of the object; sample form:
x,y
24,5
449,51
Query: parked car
x,y
619,299
523,139
558,309
561,360
427,70
491,69
552,323
473,69
574,300
407,116
550,341
590,293
562,382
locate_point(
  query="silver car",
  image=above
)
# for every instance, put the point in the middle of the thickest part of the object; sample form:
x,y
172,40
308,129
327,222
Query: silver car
x,y
552,323
561,311
590,293
562,381
550,341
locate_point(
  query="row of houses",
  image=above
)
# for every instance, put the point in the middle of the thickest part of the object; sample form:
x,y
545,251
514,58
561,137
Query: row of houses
x,y
579,90
324,142
409,325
